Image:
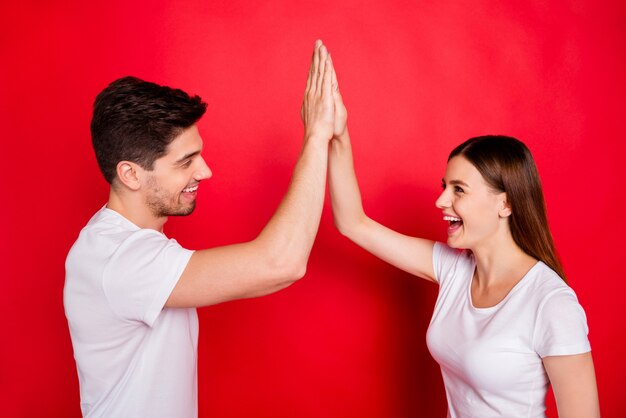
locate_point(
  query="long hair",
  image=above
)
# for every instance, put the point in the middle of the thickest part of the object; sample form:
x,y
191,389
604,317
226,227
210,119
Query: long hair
x,y
507,166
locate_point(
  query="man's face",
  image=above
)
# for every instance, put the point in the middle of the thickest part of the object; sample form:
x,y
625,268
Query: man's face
x,y
171,187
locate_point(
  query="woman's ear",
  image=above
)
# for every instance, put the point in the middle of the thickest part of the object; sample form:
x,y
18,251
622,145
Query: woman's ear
x,y
128,174
505,207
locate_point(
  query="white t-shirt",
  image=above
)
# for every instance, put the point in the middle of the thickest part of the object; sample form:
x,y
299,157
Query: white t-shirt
x,y
134,357
490,358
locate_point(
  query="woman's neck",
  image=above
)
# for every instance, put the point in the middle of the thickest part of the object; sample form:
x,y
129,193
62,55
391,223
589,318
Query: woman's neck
x,y
501,262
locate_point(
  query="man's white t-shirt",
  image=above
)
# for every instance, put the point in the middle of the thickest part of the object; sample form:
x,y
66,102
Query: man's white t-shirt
x,y
491,358
134,357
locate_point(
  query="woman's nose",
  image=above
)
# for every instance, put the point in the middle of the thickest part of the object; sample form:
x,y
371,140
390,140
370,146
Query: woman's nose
x,y
443,201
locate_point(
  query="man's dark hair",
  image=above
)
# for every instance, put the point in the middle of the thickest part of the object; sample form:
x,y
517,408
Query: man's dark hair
x,y
135,120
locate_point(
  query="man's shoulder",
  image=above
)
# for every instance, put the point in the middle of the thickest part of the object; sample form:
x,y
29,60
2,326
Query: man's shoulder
x,y
107,218
108,223
107,230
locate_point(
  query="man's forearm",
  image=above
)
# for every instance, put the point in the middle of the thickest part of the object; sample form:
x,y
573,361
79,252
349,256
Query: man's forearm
x,y
291,231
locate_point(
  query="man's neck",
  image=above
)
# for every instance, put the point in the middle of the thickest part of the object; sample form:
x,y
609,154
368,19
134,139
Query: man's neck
x,y
135,210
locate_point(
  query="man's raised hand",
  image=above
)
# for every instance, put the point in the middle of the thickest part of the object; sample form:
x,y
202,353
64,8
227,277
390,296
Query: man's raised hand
x,y
318,109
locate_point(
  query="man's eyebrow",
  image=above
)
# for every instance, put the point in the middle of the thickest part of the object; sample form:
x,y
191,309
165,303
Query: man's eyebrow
x,y
186,157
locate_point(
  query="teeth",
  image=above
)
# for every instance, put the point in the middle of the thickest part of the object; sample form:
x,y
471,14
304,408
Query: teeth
x,y
451,218
191,189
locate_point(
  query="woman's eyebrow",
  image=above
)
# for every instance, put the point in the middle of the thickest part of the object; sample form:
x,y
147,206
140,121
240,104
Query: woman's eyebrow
x,y
456,182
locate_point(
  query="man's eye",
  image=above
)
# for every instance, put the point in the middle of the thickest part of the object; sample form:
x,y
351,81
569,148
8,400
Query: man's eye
x,y
458,189
186,164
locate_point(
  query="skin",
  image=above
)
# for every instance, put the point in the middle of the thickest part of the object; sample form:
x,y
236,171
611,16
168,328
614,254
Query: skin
x,y
485,230
277,257
147,197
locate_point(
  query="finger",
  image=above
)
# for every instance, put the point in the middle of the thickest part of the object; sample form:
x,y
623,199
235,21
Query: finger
x,y
327,79
312,66
323,58
308,81
335,83
315,64
335,89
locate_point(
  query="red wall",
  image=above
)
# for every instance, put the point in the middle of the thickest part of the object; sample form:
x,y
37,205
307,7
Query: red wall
x,y
418,78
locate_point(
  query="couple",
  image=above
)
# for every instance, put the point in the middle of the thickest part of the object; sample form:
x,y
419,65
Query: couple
x,y
505,324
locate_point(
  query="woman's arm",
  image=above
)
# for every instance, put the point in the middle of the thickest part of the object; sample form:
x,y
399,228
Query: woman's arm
x,y
410,254
573,382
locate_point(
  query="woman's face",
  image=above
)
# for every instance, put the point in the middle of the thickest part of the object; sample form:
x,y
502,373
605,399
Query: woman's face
x,y
476,214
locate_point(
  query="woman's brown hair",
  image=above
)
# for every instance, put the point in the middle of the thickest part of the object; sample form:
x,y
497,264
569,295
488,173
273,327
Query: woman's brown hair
x,y
507,166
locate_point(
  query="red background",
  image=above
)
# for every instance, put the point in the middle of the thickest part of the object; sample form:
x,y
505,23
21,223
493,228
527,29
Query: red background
x,y
417,77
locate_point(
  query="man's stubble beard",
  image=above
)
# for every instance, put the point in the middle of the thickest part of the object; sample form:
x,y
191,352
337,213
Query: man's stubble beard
x,y
164,204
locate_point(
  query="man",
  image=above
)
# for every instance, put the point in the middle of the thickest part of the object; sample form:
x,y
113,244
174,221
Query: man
x,y
130,292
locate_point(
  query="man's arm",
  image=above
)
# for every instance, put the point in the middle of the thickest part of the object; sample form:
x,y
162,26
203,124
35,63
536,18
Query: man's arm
x,y
278,256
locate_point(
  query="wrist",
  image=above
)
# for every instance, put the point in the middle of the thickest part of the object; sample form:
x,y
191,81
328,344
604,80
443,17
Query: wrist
x,y
343,137
317,137
316,141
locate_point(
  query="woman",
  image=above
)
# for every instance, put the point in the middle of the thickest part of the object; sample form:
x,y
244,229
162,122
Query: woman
x,y
505,324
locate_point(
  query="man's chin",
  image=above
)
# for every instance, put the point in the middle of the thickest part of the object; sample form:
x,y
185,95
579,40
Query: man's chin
x,y
188,210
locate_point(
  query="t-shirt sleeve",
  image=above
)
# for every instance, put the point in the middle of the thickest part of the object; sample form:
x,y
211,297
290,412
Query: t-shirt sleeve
x,y
447,261
561,326
140,276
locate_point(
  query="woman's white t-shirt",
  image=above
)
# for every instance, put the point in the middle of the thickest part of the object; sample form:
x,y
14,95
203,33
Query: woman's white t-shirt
x,y
491,358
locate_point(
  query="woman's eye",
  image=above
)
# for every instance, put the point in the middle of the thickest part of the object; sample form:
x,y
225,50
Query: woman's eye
x,y
186,164
458,189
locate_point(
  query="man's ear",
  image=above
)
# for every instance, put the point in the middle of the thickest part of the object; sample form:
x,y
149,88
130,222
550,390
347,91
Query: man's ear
x,y
128,174
505,207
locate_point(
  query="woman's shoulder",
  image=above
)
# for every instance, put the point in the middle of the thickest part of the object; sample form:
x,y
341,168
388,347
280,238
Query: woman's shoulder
x,y
451,262
548,287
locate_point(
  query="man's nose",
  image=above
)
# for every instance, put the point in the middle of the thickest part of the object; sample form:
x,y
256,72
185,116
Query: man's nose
x,y
203,172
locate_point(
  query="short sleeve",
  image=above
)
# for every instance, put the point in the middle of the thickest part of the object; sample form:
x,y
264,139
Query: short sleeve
x,y
140,276
447,262
561,327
